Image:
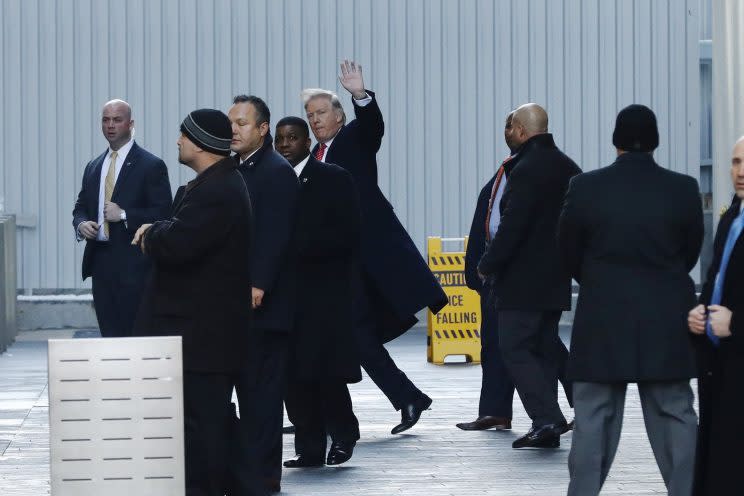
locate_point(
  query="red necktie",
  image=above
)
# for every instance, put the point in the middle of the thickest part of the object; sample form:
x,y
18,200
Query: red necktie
x,y
494,190
320,151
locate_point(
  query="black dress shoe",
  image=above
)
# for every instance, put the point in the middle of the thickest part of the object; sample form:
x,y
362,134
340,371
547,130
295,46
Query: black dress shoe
x,y
569,427
301,461
339,453
545,436
410,414
486,422
288,429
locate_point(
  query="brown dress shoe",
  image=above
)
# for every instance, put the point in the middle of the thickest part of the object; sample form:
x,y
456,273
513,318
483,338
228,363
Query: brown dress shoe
x,y
486,422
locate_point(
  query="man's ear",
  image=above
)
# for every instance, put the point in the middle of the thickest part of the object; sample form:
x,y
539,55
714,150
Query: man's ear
x,y
263,128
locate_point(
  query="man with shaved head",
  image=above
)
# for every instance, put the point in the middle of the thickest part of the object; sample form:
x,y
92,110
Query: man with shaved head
x,y
123,188
718,325
522,266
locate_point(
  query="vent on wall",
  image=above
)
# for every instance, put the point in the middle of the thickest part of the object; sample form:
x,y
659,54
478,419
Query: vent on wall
x,y
116,417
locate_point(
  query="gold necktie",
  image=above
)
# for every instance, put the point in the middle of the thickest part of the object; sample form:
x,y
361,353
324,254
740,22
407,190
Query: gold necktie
x,y
109,188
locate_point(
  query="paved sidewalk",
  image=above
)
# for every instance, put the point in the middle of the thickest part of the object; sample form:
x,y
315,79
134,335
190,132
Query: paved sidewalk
x,y
434,458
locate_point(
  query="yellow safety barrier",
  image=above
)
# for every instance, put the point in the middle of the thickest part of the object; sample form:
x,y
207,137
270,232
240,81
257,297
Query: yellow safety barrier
x,y
455,330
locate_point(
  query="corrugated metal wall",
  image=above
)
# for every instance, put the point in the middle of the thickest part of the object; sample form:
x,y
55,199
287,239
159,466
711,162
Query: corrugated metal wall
x,y
446,73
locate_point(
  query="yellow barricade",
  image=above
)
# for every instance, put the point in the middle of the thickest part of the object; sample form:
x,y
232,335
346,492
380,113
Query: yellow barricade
x,y
455,330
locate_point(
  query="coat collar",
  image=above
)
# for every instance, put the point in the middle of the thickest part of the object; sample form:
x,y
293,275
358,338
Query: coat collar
x,y
635,157
223,165
255,159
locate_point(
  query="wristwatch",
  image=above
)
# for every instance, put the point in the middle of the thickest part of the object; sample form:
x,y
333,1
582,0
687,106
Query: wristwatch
x,y
123,215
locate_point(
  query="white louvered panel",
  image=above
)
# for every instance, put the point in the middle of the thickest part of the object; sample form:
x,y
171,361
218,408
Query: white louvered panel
x,y
116,417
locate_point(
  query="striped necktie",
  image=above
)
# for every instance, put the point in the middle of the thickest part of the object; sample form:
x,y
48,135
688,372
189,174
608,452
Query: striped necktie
x,y
320,151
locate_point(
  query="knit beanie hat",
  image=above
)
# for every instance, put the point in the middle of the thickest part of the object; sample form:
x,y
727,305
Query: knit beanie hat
x,y
635,129
209,129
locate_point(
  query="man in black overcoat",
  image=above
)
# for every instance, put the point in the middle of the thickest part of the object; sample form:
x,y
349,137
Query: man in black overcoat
x,y
718,322
273,186
497,388
393,281
197,290
630,233
528,283
323,356
123,188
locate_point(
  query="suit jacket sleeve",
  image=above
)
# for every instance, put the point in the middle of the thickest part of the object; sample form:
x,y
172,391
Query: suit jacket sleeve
x,y
570,230
342,236
276,219
695,228
522,195
371,125
159,198
477,240
80,211
204,218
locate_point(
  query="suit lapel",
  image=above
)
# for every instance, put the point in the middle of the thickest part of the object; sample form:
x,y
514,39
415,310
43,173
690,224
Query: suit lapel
x,y
126,168
307,171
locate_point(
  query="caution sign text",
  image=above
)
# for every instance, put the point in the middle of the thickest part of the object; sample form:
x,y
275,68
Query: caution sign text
x,y
455,330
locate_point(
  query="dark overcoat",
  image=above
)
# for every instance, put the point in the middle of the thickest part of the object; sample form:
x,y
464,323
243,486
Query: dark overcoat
x,y
200,286
522,261
391,265
327,241
272,185
722,376
142,189
630,233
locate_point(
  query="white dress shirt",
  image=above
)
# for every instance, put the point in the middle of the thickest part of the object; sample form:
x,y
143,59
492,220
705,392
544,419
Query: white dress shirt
x,y
120,161
298,168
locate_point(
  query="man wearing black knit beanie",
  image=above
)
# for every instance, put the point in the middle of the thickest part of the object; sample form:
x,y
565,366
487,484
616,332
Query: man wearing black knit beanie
x,y
629,234
198,286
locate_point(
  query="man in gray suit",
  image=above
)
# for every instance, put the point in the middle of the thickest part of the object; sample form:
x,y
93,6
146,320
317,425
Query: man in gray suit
x,y
630,233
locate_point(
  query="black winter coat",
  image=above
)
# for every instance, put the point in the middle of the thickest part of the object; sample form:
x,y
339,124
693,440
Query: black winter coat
x,y
327,241
391,265
522,261
200,286
630,233
272,185
722,376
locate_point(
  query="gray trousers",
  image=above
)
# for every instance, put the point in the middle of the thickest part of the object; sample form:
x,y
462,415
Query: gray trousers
x,y
671,426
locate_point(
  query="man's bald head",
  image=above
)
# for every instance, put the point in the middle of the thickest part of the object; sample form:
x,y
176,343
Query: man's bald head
x,y
532,117
117,123
119,105
737,167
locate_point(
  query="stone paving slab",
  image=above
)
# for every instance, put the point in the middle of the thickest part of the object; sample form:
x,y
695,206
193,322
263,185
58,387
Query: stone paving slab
x,y
434,458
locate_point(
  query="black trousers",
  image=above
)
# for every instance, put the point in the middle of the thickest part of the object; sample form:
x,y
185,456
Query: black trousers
x,y
529,346
260,389
207,412
117,291
375,359
317,410
497,388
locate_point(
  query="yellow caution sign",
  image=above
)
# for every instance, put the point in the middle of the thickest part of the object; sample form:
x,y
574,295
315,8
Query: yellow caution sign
x,y
455,330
